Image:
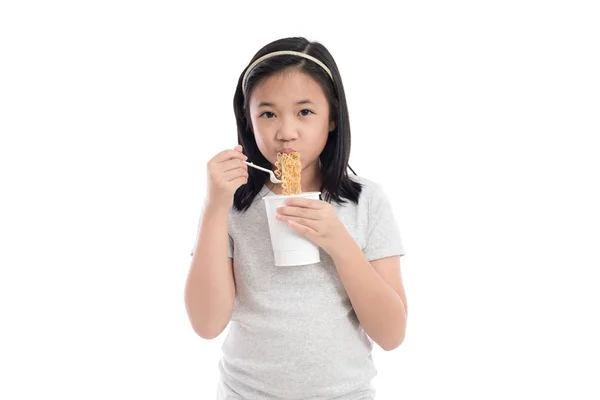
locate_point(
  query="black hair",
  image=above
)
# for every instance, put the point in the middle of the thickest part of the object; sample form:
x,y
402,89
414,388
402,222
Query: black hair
x,y
336,184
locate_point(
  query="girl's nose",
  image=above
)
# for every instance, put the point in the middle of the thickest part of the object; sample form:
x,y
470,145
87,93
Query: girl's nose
x,y
287,130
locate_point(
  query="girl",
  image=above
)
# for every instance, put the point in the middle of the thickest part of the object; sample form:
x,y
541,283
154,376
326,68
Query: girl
x,y
302,332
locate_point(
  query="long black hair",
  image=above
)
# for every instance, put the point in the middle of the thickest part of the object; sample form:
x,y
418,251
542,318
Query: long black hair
x,y
336,185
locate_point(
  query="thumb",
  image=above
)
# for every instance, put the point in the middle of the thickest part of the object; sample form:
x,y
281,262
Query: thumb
x,y
238,148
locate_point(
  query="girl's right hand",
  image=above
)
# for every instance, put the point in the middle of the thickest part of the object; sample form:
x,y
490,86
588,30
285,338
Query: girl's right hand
x,y
226,173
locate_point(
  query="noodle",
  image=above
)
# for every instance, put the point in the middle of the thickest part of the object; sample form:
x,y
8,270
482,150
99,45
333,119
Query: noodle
x,y
288,169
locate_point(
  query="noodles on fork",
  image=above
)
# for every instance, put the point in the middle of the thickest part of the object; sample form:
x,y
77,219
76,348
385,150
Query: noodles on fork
x,y
288,169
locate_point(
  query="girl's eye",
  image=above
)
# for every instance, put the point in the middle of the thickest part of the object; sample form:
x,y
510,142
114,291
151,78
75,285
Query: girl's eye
x,y
268,114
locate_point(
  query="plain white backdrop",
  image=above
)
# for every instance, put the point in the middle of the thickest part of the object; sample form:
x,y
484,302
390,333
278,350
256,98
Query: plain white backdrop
x,y
480,120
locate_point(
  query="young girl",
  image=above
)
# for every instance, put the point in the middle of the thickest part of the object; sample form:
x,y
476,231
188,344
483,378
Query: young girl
x,y
302,332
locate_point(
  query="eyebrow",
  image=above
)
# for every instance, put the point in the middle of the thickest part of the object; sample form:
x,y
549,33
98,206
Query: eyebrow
x,y
267,104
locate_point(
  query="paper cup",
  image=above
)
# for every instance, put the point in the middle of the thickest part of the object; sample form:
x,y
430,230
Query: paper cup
x,y
289,247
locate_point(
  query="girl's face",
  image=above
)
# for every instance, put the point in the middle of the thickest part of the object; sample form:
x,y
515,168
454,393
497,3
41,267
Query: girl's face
x,y
289,111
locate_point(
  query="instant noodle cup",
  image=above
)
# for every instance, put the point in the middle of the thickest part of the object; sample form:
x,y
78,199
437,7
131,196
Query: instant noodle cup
x,y
289,247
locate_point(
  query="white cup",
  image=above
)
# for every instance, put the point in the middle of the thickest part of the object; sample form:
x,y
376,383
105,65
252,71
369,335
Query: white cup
x,y
289,247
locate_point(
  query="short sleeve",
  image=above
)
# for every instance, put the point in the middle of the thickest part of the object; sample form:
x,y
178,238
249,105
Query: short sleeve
x,y
230,241
383,235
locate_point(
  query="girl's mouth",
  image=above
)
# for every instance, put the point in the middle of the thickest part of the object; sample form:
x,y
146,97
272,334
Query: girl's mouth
x,y
287,150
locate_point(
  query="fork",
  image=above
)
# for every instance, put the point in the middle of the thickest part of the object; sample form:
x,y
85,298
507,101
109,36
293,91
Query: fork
x,y
271,174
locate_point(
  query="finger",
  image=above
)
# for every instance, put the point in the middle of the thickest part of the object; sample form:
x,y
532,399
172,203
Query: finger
x,y
238,148
302,212
302,221
228,155
302,227
234,174
306,203
237,182
231,164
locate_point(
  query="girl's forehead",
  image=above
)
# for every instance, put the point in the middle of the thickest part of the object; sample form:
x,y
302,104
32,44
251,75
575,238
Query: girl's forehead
x,y
285,87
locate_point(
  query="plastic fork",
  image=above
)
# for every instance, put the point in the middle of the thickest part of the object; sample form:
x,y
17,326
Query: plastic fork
x,y
271,174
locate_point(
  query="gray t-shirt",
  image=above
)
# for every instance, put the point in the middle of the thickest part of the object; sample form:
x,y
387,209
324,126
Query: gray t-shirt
x,y
293,333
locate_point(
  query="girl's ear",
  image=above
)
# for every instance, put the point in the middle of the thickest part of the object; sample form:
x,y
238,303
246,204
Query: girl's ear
x,y
331,126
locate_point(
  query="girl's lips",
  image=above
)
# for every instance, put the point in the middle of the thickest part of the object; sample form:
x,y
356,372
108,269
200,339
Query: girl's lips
x,y
287,150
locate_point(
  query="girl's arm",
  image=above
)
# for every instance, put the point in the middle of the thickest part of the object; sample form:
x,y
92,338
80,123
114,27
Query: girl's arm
x,y
374,288
210,287
376,292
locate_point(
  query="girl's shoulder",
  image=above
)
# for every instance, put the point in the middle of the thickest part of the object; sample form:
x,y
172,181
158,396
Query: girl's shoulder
x,y
369,186
371,189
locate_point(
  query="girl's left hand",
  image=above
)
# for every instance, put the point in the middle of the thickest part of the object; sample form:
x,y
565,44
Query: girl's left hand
x,y
315,219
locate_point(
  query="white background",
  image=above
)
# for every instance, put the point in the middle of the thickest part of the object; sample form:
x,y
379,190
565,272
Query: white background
x,y
480,119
